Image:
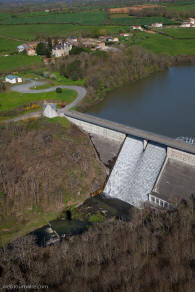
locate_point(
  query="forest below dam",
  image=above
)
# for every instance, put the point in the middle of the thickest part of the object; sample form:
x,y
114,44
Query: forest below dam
x,y
45,166
127,256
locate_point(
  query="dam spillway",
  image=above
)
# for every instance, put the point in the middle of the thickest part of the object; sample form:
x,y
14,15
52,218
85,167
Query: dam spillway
x,y
135,171
121,176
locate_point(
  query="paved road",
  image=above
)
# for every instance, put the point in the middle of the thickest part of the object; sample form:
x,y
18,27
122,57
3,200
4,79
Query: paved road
x,y
27,88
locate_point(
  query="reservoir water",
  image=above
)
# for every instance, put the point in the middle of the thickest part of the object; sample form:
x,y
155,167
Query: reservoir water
x,y
164,103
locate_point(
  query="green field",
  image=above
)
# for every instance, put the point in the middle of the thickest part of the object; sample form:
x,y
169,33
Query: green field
x,y
181,6
124,19
31,32
160,44
10,100
94,17
180,33
8,46
19,63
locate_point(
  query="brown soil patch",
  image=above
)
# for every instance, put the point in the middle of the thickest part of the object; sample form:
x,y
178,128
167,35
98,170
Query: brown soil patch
x,y
150,31
126,10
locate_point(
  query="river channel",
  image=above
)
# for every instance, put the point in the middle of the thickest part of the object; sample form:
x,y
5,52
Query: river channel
x,y
163,103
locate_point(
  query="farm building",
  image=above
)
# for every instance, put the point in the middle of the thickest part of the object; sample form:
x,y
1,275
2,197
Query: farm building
x,y
31,52
112,40
185,24
125,35
192,21
13,79
49,110
157,25
72,40
89,42
27,46
100,46
137,27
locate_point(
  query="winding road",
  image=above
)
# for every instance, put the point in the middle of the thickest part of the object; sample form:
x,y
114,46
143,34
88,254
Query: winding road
x,y
27,88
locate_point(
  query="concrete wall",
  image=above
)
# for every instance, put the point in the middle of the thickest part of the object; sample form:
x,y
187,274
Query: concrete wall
x,y
97,130
181,156
126,130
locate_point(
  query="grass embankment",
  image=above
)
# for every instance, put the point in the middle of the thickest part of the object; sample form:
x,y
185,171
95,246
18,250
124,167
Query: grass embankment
x,y
54,167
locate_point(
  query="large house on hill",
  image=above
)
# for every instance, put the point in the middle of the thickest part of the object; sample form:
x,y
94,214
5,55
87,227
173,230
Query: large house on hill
x,y
61,50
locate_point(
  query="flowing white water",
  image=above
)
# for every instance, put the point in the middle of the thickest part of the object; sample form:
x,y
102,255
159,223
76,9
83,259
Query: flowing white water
x,y
135,171
146,173
122,173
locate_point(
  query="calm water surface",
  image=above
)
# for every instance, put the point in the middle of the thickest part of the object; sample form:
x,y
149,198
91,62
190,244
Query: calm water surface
x,y
163,103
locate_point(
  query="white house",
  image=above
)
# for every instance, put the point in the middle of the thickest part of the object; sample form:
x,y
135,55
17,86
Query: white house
x,y
61,50
13,79
157,25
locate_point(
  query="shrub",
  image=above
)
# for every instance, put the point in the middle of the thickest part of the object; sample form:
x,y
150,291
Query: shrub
x,y
58,90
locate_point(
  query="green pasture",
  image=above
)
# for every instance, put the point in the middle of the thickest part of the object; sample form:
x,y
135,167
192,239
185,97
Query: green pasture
x,y
8,46
94,17
19,63
31,32
132,20
10,100
180,6
182,33
160,44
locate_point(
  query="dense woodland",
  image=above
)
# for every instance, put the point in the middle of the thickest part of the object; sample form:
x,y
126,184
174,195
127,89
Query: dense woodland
x,y
43,167
155,252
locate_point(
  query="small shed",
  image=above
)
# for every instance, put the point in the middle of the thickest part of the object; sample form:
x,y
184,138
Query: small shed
x,y
49,110
13,79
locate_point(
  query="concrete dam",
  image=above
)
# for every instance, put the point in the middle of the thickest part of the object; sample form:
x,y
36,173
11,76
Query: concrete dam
x,y
145,162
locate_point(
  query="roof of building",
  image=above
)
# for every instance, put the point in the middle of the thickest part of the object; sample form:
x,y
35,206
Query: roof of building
x,y
11,77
